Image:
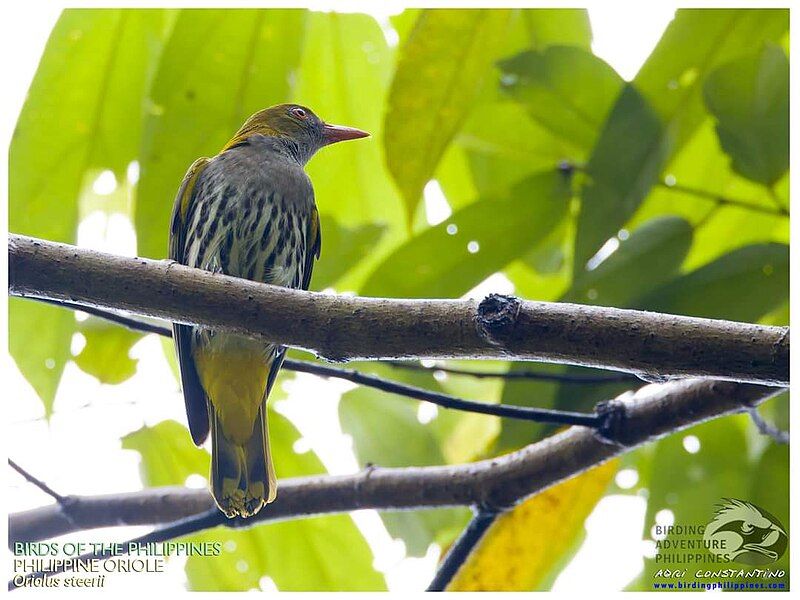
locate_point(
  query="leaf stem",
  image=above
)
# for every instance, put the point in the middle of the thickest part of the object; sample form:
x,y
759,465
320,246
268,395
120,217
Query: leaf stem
x,y
723,200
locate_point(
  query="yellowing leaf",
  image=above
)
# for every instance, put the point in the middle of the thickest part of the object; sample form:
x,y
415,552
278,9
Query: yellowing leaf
x,y
521,549
441,68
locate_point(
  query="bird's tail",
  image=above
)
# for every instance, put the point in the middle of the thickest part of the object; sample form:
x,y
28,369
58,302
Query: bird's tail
x,y
242,476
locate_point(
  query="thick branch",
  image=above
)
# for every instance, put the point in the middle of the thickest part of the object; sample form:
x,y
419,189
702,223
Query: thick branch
x,y
344,328
525,413
161,327
497,483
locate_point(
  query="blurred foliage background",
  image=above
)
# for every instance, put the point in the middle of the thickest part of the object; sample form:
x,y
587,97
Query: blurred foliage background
x,y
668,192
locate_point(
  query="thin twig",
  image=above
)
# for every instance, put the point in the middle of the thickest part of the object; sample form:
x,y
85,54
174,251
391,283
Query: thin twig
x,y
525,374
462,548
779,209
723,200
62,500
539,415
764,428
132,323
776,200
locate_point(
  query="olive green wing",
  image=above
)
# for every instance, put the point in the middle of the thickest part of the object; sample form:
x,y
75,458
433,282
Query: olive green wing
x,y
193,394
312,252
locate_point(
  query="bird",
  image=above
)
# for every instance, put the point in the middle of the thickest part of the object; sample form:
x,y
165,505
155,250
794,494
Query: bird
x,y
247,212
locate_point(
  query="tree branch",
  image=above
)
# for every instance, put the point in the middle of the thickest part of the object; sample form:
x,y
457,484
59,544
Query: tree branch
x,y
342,328
525,413
62,500
496,483
161,327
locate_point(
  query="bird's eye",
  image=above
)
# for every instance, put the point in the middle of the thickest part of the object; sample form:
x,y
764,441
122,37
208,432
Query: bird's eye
x,y
299,113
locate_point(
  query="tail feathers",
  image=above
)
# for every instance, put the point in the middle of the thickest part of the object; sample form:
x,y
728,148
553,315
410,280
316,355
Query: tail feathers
x,y
242,476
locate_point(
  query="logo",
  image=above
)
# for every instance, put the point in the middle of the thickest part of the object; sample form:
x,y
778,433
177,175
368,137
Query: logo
x,y
744,533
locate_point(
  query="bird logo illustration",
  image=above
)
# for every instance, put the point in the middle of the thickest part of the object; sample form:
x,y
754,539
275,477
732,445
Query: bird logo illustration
x,y
745,533
247,212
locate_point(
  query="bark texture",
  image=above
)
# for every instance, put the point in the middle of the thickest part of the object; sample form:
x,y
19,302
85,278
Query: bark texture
x,y
655,346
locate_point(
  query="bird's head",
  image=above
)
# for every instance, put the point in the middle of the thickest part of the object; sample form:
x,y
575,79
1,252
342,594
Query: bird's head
x,y
297,127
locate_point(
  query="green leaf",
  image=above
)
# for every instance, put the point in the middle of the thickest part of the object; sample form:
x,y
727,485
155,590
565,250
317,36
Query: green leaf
x,y
386,432
566,89
168,454
650,256
218,67
503,146
324,553
454,177
466,437
403,23
742,285
82,114
621,171
702,166
665,113
769,489
750,99
39,337
528,392
343,76
437,263
691,485
558,26
695,42
441,68
499,145
344,247
106,352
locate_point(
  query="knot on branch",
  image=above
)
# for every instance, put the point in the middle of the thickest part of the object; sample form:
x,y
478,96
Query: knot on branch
x,y
612,415
496,318
781,346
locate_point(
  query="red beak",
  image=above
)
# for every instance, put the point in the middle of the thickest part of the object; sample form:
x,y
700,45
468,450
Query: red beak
x,y
340,133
